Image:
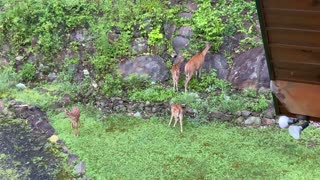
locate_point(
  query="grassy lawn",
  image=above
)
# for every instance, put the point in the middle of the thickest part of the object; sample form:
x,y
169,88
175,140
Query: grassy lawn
x,y
121,147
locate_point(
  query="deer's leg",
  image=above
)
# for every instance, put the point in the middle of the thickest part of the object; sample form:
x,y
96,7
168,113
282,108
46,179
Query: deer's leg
x,y
180,117
188,77
76,132
174,83
170,119
175,121
177,82
200,69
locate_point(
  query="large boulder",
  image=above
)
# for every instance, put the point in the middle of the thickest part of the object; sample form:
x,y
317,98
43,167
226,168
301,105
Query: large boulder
x,y
169,30
139,46
186,31
153,65
249,70
179,43
217,62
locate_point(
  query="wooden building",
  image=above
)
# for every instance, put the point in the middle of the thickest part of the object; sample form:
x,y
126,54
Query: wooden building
x,y
291,37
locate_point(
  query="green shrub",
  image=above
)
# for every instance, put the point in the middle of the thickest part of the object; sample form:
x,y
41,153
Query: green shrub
x,y
8,77
112,85
207,24
260,105
154,94
47,21
208,82
135,82
155,37
249,92
27,72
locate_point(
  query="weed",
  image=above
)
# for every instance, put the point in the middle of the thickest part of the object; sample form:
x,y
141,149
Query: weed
x,y
27,72
153,94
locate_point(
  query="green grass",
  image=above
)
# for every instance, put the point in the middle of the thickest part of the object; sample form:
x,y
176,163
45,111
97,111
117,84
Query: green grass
x,y
121,147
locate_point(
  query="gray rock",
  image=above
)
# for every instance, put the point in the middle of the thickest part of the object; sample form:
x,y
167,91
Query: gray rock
x,y
186,31
148,109
252,120
269,114
267,121
21,86
152,66
169,30
137,114
192,6
72,158
19,58
245,113
80,168
186,15
249,70
226,117
139,46
216,114
179,43
52,77
218,62
239,120
238,113
154,110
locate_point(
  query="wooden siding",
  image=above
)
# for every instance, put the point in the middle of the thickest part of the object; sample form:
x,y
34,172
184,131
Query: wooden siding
x,y
291,30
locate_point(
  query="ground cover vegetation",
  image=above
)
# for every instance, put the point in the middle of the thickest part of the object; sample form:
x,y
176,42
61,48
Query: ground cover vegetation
x,y
119,146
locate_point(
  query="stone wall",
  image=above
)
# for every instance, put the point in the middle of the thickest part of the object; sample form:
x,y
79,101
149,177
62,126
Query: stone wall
x,y
149,109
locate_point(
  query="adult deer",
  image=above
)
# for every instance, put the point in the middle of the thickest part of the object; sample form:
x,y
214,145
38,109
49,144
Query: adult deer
x,y
177,114
74,116
175,72
195,64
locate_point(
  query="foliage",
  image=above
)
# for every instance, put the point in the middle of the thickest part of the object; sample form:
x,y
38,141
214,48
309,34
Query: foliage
x,y
27,72
208,82
8,78
260,105
238,14
135,82
155,37
33,97
155,93
112,86
45,22
149,149
208,25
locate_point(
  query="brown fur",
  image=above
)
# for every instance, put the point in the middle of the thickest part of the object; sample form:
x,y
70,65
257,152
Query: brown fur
x,y
175,72
177,114
74,116
195,64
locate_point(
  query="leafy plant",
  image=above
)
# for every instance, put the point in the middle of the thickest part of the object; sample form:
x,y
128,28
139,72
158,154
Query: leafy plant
x,y
27,72
208,25
155,37
8,77
260,105
153,94
112,86
208,82
135,82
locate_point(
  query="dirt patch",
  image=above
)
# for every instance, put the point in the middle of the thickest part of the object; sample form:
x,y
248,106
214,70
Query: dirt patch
x,y
25,152
26,155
